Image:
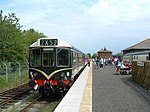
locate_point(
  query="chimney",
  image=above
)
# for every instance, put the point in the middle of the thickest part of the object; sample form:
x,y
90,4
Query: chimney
x,y
104,48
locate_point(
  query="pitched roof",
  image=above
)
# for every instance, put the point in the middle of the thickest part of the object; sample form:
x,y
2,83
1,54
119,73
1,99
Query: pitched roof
x,y
105,50
141,45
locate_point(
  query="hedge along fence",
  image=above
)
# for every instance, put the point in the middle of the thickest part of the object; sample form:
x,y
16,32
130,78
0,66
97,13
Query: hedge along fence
x,y
141,73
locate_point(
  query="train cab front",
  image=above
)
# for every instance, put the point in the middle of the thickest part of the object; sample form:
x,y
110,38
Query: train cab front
x,y
49,69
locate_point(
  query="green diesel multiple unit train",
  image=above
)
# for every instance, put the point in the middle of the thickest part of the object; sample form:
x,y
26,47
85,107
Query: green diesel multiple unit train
x,y
54,65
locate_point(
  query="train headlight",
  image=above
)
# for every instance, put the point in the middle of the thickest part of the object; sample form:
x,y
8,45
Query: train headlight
x,y
35,74
68,74
31,73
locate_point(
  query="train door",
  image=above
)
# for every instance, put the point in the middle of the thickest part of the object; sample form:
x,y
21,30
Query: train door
x,y
48,59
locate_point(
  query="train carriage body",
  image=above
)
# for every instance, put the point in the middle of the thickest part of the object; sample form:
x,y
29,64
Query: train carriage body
x,y
54,64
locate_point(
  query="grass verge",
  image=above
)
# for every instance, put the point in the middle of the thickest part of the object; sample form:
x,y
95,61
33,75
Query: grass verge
x,y
13,80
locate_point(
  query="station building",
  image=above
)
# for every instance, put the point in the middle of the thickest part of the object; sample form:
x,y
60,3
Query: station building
x,y
138,52
139,56
104,53
139,47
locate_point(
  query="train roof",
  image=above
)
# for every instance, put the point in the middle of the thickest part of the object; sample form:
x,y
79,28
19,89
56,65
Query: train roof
x,y
51,42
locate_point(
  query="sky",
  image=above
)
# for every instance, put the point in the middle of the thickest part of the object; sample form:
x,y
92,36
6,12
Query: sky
x,y
88,25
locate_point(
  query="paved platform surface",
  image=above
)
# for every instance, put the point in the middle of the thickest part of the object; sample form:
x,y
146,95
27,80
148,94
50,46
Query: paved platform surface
x,y
116,93
79,97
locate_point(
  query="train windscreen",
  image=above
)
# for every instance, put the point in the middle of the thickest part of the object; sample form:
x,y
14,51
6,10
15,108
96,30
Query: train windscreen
x,y
35,57
62,57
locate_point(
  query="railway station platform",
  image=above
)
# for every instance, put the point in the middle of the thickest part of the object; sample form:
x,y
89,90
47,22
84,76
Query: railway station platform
x,y
79,97
110,93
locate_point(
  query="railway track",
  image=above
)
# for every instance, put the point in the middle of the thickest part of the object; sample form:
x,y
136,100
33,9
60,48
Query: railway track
x,y
40,103
11,96
30,104
14,88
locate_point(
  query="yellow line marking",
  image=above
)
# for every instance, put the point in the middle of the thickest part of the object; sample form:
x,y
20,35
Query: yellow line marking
x,y
86,103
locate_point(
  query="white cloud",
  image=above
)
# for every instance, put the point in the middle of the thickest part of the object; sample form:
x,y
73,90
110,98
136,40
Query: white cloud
x,y
84,22
110,11
29,2
11,4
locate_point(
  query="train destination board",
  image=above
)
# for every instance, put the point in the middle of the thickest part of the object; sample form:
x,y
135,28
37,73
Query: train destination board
x,y
48,42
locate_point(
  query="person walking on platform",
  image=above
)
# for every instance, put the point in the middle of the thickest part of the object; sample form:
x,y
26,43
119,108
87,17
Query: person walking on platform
x,y
97,63
104,63
118,67
101,62
88,62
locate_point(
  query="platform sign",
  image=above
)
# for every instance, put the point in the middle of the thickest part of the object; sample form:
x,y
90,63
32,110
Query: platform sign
x,y
48,42
140,63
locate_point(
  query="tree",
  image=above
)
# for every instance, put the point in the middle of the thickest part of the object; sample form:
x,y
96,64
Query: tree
x,y
89,55
94,55
10,34
14,42
30,36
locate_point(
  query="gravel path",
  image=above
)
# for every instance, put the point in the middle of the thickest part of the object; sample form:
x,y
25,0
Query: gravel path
x,y
117,93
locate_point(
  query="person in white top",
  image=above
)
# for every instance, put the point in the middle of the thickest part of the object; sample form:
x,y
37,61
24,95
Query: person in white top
x,y
101,62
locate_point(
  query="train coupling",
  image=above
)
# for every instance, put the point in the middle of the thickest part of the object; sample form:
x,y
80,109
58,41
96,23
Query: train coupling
x,y
48,87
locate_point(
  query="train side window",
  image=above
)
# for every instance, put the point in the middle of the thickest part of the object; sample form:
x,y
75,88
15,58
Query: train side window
x,y
74,59
62,57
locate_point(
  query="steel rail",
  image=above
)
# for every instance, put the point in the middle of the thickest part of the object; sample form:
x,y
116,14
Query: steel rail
x,y
30,104
14,88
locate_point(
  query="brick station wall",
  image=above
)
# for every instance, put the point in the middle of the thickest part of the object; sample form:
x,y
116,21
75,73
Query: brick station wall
x,y
141,74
